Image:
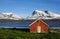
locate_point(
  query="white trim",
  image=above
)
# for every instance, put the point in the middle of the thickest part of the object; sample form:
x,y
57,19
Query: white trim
x,y
37,20
44,22
33,22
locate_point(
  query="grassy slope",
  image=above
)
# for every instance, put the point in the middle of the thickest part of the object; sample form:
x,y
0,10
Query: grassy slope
x,y
17,34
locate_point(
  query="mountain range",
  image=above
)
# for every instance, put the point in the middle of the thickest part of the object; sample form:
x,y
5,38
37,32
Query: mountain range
x,y
37,14
44,15
9,15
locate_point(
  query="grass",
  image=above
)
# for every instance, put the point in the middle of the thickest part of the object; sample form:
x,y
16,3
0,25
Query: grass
x,y
17,34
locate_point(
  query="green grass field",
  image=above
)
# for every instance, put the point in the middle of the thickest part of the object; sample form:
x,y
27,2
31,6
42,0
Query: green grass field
x,y
17,34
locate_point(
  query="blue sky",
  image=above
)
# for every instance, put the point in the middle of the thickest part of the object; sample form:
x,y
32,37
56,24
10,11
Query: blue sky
x,y
25,8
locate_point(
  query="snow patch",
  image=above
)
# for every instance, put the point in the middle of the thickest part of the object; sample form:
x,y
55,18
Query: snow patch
x,y
43,15
9,15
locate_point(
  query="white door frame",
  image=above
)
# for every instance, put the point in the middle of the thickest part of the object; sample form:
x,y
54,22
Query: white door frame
x,y
39,29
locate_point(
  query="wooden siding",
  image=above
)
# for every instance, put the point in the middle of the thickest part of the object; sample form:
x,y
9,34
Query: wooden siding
x,y
44,27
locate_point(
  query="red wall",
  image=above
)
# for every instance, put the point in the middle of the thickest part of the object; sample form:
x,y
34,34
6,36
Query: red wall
x,y
33,27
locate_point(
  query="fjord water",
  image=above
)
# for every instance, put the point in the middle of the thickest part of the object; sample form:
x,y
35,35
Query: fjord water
x,y
25,24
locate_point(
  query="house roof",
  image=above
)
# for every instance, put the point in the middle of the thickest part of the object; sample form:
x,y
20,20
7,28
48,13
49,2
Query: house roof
x,y
36,21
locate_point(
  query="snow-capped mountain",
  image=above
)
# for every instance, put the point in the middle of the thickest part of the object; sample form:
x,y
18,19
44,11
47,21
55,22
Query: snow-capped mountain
x,y
44,15
9,15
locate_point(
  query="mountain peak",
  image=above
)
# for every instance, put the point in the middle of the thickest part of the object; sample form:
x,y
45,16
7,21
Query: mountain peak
x,y
44,15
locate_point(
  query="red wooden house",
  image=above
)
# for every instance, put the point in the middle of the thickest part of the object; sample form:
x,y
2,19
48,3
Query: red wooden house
x,y
38,26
